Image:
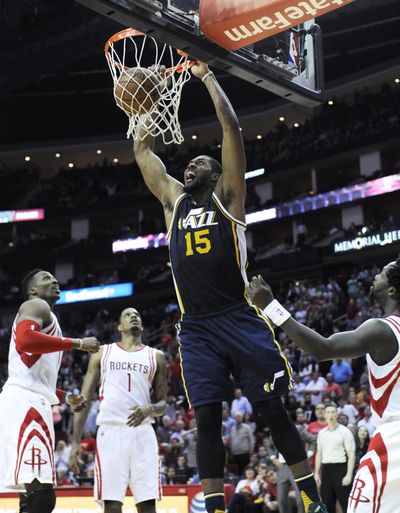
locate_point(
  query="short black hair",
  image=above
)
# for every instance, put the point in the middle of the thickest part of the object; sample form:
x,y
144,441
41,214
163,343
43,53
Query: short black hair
x,y
215,165
393,277
120,315
26,282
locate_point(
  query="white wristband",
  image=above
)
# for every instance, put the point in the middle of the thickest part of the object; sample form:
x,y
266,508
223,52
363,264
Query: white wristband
x,y
276,313
208,74
80,343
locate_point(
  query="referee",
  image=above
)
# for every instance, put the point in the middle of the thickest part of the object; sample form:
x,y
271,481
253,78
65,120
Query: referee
x,y
336,456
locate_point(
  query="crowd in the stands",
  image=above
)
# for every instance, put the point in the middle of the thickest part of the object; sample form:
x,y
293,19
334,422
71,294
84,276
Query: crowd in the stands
x,y
252,462
369,117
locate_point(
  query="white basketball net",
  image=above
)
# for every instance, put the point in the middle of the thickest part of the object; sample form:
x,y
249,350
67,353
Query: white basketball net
x,y
160,114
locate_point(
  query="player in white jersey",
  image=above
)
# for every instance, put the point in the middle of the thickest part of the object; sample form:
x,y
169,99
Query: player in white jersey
x,y
26,428
133,387
376,486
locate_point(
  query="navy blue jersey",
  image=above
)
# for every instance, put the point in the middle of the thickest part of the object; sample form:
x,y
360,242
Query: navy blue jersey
x,y
208,256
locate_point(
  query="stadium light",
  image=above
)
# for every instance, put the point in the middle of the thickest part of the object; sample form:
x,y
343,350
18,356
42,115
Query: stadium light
x,y
330,102
281,119
27,158
261,215
99,152
254,173
57,155
70,165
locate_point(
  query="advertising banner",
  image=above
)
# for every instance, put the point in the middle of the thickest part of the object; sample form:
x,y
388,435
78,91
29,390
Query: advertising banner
x,y
367,241
95,293
168,504
236,23
176,499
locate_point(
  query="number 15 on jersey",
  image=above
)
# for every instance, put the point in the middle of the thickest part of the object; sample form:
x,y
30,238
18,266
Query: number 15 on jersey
x,y
198,242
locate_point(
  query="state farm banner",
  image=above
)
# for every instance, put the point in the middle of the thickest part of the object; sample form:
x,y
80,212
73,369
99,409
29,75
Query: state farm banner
x,y
233,24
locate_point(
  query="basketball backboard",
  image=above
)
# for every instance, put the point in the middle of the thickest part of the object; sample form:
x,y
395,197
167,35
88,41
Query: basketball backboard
x,y
290,64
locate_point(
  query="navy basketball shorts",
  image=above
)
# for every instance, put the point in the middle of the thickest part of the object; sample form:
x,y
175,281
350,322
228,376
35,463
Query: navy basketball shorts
x,y
240,342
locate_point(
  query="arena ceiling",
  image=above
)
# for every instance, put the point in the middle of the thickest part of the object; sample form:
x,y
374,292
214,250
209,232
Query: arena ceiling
x,y
55,83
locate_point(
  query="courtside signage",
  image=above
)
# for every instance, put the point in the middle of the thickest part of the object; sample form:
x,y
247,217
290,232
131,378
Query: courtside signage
x,y
17,216
81,504
96,293
367,241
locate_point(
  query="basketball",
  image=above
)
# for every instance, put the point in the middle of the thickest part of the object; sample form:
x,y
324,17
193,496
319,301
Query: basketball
x,y
203,196
137,90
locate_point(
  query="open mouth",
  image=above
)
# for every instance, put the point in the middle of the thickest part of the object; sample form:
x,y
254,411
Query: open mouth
x,y
190,176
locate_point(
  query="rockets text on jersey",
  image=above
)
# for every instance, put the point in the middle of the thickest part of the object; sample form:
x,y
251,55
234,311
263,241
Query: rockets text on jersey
x,y
126,381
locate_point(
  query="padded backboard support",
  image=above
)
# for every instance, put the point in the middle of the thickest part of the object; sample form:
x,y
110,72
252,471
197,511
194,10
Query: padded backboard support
x,y
181,30
238,23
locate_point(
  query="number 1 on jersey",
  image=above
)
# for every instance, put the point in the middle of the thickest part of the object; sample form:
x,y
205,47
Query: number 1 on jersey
x,y
202,244
129,382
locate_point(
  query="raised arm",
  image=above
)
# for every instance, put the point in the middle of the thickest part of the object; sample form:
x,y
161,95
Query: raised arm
x,y
373,336
231,188
90,383
158,398
164,187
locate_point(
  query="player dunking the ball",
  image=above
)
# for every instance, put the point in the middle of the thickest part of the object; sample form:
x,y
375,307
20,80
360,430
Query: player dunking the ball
x,y
26,428
133,389
376,486
221,333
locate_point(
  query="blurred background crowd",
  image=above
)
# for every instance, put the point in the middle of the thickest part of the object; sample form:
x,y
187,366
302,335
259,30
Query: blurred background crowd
x,y
253,465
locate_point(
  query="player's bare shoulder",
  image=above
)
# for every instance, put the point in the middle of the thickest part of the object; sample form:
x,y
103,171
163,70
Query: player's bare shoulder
x,y
375,328
380,338
35,309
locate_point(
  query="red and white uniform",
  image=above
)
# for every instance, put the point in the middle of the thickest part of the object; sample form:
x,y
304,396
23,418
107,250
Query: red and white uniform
x,y
376,486
126,456
26,427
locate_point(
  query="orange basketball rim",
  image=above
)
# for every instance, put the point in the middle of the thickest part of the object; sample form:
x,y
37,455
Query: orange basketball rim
x,y
131,32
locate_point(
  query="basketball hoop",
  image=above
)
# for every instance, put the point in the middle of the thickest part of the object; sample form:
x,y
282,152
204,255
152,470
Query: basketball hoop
x,y
153,100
